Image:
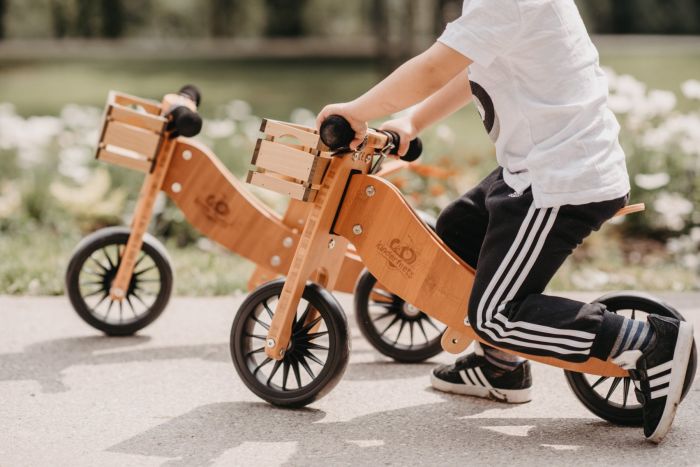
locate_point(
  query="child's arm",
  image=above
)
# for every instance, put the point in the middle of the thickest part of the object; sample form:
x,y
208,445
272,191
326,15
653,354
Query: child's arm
x,y
409,84
455,95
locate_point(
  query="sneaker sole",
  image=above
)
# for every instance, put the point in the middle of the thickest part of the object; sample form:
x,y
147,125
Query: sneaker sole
x,y
509,396
681,356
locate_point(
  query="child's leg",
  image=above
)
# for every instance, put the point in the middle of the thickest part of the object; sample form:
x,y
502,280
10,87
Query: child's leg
x,y
523,248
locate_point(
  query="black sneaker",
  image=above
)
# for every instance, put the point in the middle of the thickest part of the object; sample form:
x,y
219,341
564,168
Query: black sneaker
x,y
659,372
472,375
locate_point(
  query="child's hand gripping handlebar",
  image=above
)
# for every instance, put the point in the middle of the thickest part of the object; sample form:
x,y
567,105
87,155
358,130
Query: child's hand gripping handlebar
x,y
183,117
336,133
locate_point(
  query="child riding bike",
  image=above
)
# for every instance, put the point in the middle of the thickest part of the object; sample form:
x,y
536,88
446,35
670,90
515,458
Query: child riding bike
x,y
534,75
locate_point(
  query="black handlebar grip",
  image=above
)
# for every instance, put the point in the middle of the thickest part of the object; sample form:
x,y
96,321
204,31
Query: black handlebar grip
x,y
185,122
415,149
336,132
191,91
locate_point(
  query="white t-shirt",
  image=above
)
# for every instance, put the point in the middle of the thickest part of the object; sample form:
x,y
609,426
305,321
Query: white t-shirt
x,y
543,98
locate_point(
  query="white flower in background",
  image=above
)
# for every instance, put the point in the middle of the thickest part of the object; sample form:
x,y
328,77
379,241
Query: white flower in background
x,y
652,181
445,134
302,116
80,116
630,86
673,209
10,200
590,279
660,102
219,129
73,161
620,104
611,77
251,128
691,89
238,110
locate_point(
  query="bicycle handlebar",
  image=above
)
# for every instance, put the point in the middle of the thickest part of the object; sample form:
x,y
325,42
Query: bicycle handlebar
x,y
336,133
184,120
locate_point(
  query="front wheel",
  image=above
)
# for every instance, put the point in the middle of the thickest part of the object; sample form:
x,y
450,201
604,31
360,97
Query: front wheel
x,y
93,267
605,396
317,354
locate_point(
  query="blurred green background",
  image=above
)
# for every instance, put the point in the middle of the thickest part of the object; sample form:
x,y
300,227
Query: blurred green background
x,y
285,59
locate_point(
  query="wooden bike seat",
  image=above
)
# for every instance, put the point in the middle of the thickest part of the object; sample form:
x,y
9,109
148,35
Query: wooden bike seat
x,y
629,209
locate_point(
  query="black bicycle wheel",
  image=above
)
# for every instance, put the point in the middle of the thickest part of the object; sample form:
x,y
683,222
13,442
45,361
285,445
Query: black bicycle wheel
x,y
92,269
317,354
613,399
394,327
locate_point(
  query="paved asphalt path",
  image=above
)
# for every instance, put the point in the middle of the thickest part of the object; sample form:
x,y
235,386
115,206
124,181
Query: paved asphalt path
x,y
169,396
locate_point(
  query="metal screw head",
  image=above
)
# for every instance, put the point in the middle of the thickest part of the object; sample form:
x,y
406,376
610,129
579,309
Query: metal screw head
x,y
176,187
270,343
357,229
370,191
187,154
275,260
287,242
331,243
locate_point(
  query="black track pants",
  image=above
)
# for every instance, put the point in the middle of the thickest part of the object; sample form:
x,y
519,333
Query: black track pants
x,y
516,249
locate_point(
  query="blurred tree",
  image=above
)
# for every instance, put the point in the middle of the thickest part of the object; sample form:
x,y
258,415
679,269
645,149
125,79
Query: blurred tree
x,y
222,14
112,18
623,16
285,18
84,18
59,18
3,10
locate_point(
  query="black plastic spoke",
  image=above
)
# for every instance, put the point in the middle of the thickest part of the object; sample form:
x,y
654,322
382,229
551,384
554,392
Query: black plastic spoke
x,y
306,366
109,260
295,369
384,315
312,336
133,292
102,299
403,324
94,273
308,326
267,308
99,265
387,305
276,367
254,351
600,380
633,312
141,258
422,329
613,386
312,357
256,336
92,294
121,310
145,270
285,374
430,321
393,321
311,345
410,330
109,308
625,391
264,362
383,293
257,320
131,305
298,322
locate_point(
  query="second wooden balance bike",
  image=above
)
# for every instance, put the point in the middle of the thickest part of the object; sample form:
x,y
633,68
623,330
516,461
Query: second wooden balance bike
x,y
289,339
119,279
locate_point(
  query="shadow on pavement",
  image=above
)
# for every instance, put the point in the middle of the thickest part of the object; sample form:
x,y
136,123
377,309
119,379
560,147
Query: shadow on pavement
x,y
438,434
45,361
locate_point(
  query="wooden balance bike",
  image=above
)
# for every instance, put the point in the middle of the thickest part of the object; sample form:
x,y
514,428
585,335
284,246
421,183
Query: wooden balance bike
x,y
119,279
289,339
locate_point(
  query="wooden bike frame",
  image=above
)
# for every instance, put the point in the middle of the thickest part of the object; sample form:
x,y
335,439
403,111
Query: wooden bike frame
x,y
214,201
397,248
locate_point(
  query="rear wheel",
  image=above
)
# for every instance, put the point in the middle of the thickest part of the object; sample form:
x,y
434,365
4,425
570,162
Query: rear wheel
x,y
317,354
93,267
613,399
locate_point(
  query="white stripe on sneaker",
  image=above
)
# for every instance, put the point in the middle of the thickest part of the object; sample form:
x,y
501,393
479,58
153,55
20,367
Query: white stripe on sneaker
x,y
660,393
480,374
659,368
654,382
